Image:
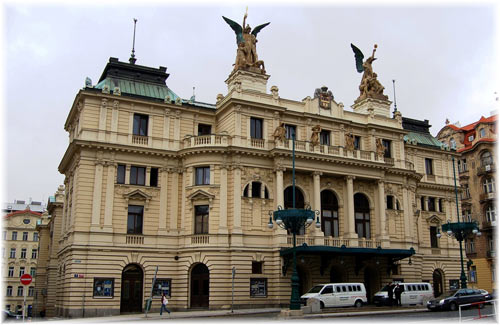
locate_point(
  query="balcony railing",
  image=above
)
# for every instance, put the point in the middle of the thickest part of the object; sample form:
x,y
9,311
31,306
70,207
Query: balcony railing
x,y
134,240
491,254
335,242
140,140
485,169
206,140
486,196
200,239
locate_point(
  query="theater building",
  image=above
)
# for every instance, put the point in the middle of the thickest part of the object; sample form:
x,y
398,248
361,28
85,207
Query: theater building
x,y
156,182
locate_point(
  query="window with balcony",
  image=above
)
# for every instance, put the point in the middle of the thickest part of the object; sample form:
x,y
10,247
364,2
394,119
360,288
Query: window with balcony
x,y
489,185
422,203
202,176
11,272
201,213
431,204
140,125
387,146
135,219
486,159
256,125
362,215
434,239
120,174
491,214
462,165
25,236
357,142
428,166
204,129
324,137
14,235
137,175
23,253
290,131
329,214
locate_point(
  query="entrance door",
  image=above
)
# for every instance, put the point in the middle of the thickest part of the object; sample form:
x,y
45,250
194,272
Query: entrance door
x,y
131,296
372,281
200,285
437,282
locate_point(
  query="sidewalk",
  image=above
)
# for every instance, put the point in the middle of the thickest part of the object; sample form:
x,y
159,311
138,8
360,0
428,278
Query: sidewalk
x,y
241,313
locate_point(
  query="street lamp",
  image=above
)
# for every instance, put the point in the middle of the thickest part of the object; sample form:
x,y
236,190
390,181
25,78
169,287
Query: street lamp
x,y
461,230
293,220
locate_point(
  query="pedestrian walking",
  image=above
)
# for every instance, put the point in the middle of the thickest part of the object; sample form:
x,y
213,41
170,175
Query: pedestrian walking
x,y
397,292
390,294
164,302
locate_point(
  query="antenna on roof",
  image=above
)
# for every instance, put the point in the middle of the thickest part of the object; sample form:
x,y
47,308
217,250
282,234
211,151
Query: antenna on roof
x,y
132,56
394,89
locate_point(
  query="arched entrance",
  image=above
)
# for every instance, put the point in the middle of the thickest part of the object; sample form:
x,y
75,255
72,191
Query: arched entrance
x,y
372,282
200,286
131,295
437,282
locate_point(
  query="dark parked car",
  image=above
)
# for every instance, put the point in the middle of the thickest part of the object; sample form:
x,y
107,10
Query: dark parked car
x,y
7,315
452,299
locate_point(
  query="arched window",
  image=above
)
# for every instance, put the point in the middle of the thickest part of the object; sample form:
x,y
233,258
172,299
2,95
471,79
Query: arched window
x,y
491,213
489,185
329,214
254,190
362,215
453,143
486,158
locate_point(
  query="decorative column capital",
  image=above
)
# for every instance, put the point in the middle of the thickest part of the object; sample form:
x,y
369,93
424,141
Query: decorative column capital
x,y
317,173
350,178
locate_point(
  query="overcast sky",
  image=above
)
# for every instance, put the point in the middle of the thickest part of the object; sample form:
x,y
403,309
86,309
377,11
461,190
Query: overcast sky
x,y
443,58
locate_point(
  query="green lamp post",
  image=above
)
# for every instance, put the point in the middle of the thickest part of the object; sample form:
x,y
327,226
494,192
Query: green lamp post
x,y
293,220
461,231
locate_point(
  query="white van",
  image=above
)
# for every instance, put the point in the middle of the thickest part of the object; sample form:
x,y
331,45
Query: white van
x,y
413,294
337,294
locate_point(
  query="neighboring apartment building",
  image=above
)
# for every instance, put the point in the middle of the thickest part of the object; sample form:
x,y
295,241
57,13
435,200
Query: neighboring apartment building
x,y
20,256
153,180
476,169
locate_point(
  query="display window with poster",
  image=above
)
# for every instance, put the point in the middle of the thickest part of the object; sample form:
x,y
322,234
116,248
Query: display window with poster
x,y
104,287
162,286
258,287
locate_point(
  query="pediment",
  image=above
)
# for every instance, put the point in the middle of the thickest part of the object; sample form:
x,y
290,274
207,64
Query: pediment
x,y
434,219
137,195
201,195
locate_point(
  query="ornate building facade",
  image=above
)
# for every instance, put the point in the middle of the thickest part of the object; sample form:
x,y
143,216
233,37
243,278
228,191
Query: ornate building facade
x,y
158,187
476,169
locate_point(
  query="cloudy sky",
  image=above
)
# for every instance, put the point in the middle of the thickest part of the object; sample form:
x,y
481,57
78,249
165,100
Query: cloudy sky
x,y
443,58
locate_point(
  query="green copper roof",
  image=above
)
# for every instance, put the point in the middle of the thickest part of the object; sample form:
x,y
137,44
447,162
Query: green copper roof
x,y
422,139
141,88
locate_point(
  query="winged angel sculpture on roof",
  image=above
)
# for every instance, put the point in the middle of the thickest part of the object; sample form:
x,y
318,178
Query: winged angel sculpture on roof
x,y
370,87
246,39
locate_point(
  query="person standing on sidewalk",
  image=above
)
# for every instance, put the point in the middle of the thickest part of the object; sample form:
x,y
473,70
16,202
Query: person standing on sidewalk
x,y
164,302
397,292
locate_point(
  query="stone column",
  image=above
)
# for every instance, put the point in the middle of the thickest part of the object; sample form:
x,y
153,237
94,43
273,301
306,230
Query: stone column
x,y
177,129
174,200
147,181
223,200
166,129
114,121
407,212
237,118
317,199
280,200
162,217
102,120
236,238
351,230
96,197
381,212
186,176
110,195
127,174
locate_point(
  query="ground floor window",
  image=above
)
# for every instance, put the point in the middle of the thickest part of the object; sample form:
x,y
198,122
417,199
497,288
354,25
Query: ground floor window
x,y
162,286
104,287
258,287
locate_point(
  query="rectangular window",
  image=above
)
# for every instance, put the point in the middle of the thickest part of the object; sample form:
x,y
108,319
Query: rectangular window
x,y
428,166
33,271
153,177
5,235
25,236
20,291
104,287
434,239
256,267
472,274
256,128
466,191
431,204
357,142
202,176
390,202
134,221
23,253
21,270
137,175
120,174
290,131
464,165
14,235
9,291
258,287
422,203
140,124
11,271
34,253
204,129
35,236
31,291
482,133
162,286
12,253
387,146
440,205
324,137
201,219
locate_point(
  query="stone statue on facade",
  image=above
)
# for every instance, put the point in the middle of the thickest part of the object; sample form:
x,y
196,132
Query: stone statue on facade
x,y
280,133
349,141
246,40
315,135
380,147
369,87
